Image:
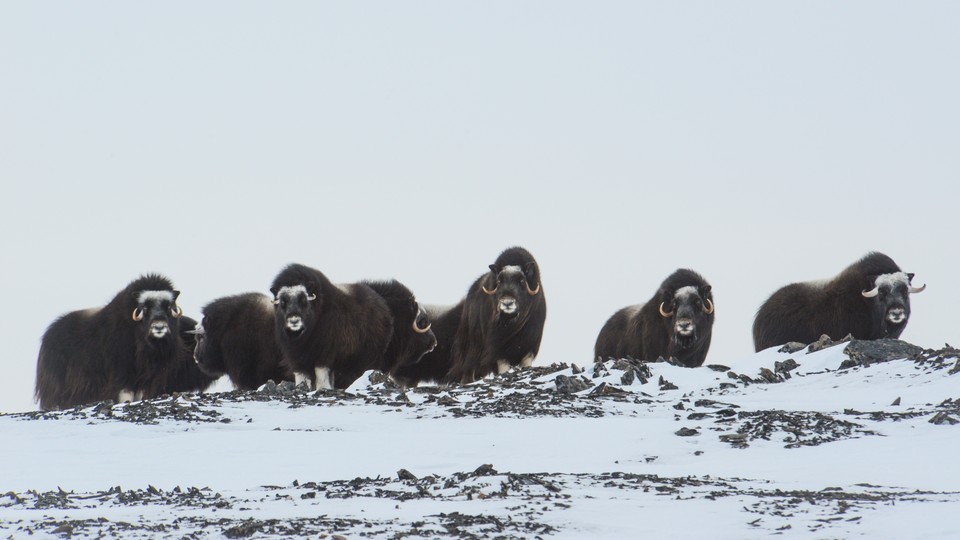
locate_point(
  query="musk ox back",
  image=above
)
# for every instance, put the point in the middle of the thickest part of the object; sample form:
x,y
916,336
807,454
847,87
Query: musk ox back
x,y
502,321
119,351
329,334
870,299
677,322
413,335
237,337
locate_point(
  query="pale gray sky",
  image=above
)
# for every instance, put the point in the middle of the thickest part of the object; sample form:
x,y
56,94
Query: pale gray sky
x,y
758,143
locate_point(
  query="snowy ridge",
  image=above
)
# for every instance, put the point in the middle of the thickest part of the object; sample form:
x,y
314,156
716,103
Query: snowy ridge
x,y
852,439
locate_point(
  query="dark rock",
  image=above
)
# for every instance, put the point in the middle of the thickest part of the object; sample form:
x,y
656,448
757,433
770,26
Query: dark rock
x,y
604,389
485,470
768,376
65,528
825,343
627,378
942,418
447,401
269,388
404,474
895,403
786,366
679,406
866,352
686,432
243,531
792,347
571,385
717,367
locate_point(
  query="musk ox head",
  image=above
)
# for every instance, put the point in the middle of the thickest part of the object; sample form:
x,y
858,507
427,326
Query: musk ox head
x,y
687,313
156,315
296,307
422,339
513,287
888,296
206,353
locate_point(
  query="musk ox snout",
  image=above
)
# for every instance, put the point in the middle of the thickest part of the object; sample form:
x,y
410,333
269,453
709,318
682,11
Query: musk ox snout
x,y
295,323
508,305
897,315
159,329
685,327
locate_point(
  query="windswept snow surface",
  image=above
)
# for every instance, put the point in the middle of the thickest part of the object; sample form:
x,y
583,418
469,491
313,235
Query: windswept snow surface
x,y
783,444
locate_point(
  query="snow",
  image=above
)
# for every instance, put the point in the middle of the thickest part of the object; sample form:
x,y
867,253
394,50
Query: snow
x,y
565,466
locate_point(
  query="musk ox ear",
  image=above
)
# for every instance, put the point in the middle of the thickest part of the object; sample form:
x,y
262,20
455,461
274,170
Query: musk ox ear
x,y
495,270
176,294
910,276
530,271
705,291
274,291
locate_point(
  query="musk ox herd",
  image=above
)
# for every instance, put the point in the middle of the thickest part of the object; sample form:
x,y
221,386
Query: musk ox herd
x,y
324,335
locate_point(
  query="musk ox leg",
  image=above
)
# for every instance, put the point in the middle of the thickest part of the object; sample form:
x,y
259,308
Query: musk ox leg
x,y
299,377
125,396
324,378
502,366
527,360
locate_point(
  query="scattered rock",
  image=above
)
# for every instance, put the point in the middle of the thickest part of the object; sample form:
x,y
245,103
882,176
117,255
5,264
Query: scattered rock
x,y
244,530
571,385
404,474
895,403
687,432
942,418
627,378
866,352
792,347
786,366
825,342
485,470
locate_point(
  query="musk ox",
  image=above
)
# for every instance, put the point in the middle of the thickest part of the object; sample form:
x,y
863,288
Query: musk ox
x,y
119,351
184,375
677,322
329,334
502,319
870,299
434,366
413,335
237,338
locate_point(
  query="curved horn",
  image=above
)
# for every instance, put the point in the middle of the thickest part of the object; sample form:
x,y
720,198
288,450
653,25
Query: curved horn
x,y
664,313
494,291
311,297
917,289
419,330
176,311
871,293
275,301
534,291
709,310
137,314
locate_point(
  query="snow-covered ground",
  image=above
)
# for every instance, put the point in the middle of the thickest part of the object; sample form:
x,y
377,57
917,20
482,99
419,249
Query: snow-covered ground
x,y
619,449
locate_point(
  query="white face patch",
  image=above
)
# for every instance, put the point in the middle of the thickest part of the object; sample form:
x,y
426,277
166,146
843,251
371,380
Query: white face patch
x,y
686,292
292,291
511,269
891,280
155,296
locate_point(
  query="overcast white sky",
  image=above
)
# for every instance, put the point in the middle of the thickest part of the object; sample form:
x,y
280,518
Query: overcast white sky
x,y
758,143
